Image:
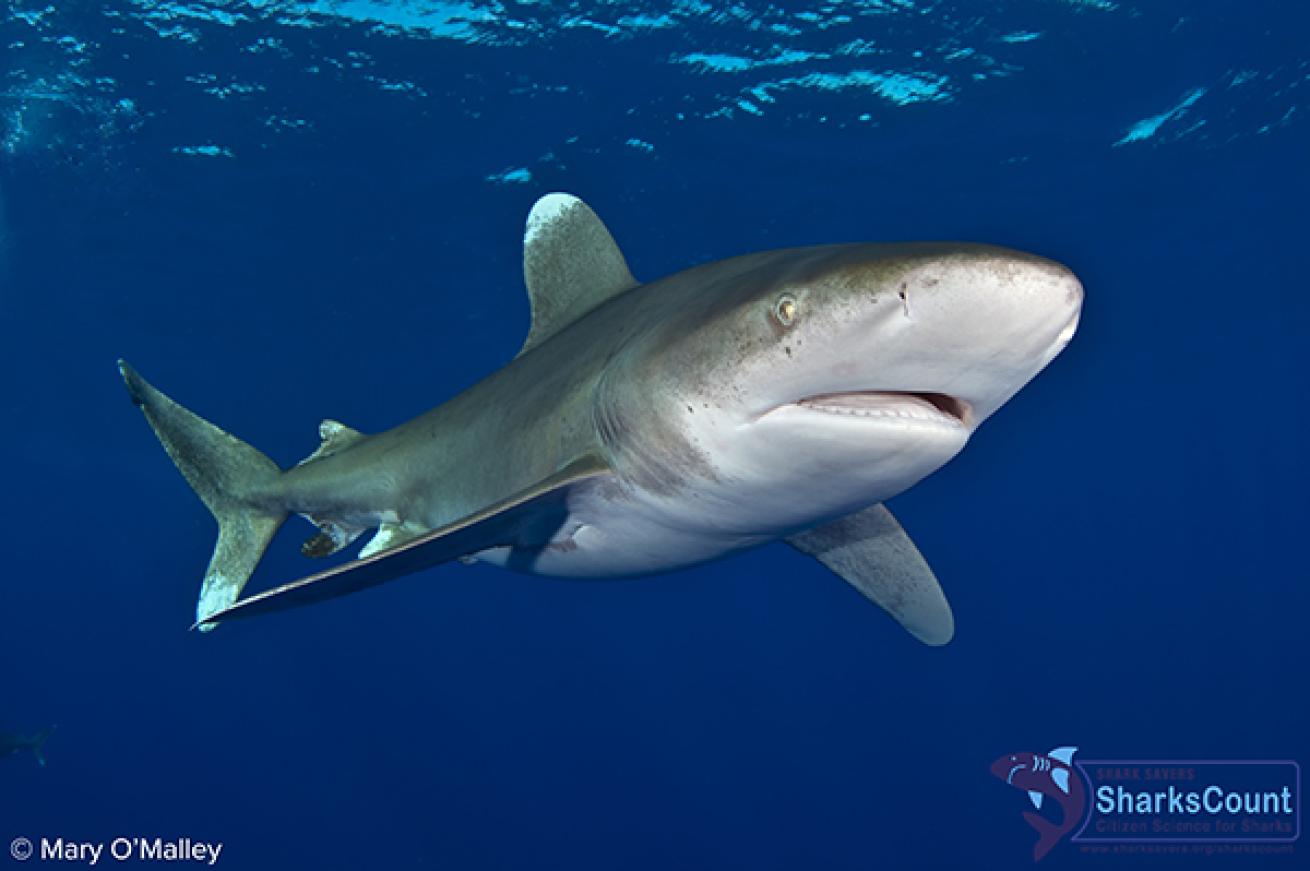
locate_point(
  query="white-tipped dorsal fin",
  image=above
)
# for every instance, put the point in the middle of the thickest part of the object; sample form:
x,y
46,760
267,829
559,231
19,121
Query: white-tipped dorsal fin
x,y
335,436
1064,754
570,265
1061,778
1035,797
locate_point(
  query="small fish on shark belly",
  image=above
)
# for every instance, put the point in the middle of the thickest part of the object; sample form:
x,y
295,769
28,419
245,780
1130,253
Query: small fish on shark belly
x,y
777,396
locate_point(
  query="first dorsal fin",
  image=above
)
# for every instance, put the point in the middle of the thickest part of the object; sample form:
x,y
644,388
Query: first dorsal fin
x,y
1064,754
571,264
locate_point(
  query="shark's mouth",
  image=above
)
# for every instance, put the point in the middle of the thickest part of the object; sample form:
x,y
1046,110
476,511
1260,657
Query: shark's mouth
x,y
935,408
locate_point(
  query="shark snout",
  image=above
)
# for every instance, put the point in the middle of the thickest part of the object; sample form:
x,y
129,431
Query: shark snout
x,y
1066,293
996,289
1007,767
985,321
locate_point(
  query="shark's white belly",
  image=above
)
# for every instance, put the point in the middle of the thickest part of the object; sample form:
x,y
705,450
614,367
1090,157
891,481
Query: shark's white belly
x,y
617,537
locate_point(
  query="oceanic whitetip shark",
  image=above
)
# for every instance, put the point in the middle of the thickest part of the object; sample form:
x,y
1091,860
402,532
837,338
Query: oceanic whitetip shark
x,y
784,395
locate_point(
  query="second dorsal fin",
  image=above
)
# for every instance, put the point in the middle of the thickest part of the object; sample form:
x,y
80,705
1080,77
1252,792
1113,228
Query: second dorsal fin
x,y
336,436
570,265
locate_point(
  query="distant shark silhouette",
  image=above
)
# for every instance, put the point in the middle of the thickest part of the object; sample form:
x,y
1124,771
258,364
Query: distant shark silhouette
x,y
1050,775
648,427
12,744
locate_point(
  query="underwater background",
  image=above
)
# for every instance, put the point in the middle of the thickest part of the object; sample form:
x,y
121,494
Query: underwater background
x,y
285,210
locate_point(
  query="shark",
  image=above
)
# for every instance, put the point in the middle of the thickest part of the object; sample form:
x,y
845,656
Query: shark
x,y
13,744
643,428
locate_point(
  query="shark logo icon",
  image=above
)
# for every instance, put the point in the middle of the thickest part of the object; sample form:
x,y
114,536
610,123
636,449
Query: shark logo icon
x,y
1050,775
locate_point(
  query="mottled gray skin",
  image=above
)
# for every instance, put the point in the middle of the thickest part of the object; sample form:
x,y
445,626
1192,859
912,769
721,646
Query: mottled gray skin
x,y
622,381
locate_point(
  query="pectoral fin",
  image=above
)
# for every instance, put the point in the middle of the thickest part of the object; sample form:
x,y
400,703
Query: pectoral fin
x,y
515,522
871,552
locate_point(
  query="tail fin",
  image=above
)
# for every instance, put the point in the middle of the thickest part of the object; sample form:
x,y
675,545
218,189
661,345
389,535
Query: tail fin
x,y
229,476
38,745
1048,834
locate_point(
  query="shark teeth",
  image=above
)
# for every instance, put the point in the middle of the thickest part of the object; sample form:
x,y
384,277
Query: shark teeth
x,y
926,407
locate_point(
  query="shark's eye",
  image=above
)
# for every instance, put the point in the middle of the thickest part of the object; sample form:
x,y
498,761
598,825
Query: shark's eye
x,y
785,310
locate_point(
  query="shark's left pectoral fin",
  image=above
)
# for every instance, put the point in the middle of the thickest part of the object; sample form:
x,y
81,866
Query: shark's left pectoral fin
x,y
518,521
871,551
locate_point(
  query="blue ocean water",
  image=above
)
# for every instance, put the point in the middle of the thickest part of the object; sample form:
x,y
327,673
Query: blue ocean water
x,y
284,210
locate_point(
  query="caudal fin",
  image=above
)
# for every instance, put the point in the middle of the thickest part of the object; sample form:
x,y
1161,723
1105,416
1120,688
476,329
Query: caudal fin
x,y
233,480
1048,834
